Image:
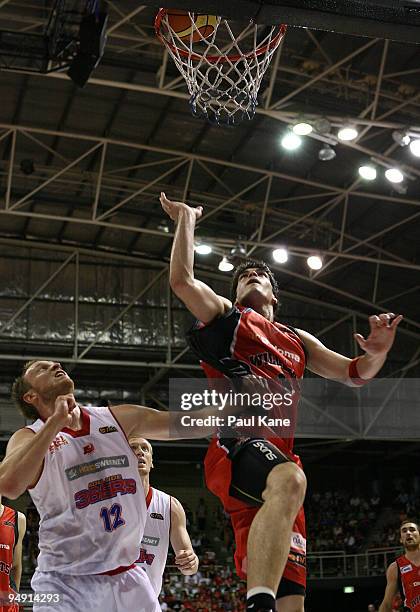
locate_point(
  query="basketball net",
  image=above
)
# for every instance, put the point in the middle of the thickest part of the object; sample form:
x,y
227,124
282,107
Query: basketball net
x,y
224,71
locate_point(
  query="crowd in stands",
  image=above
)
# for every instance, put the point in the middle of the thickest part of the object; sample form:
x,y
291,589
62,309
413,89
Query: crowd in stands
x,y
211,589
405,505
338,520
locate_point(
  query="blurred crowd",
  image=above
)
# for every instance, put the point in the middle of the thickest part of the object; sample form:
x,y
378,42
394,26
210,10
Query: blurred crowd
x,y
211,589
338,520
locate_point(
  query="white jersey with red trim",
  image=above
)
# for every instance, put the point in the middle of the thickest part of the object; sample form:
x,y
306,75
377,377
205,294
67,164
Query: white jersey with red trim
x,y
155,543
90,498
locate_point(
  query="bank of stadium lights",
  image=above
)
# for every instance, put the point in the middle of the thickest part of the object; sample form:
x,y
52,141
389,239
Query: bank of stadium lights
x,y
415,147
327,153
225,265
347,133
303,128
368,172
203,249
291,141
401,138
394,175
314,262
280,255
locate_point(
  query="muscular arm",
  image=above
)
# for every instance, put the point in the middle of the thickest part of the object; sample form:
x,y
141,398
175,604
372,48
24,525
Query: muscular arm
x,y
17,553
332,365
391,588
140,421
185,557
26,450
146,422
198,297
22,465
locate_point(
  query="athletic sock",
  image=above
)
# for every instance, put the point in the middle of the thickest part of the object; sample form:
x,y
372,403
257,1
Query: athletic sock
x,y
261,599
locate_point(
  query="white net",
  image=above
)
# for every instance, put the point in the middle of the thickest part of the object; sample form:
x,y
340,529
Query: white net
x,y
224,70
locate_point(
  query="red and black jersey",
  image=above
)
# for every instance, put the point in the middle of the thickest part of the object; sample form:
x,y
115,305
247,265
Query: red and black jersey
x,y
409,583
8,539
244,342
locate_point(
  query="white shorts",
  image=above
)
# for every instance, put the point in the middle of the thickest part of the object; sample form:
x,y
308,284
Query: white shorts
x,y
129,591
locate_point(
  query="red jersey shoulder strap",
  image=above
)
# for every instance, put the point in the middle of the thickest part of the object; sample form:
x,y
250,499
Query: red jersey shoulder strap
x,y
16,529
10,517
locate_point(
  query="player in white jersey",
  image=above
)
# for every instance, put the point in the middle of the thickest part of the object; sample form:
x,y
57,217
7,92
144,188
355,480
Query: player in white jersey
x,y
165,521
83,477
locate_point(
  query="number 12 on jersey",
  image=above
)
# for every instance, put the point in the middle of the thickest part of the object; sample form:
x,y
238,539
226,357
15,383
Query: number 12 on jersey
x,y
112,517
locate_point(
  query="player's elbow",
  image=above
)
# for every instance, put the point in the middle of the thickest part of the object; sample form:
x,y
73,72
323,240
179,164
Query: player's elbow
x,y
181,285
9,488
177,283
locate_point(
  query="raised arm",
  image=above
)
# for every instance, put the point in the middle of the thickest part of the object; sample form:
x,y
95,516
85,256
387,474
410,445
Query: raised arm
x,y
23,463
332,365
140,421
185,557
198,297
391,588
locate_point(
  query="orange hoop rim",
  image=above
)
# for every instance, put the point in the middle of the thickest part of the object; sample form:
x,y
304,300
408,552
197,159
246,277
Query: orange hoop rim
x,y
214,59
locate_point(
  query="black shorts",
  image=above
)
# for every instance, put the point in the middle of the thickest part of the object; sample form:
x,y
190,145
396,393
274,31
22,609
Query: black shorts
x,y
252,461
287,587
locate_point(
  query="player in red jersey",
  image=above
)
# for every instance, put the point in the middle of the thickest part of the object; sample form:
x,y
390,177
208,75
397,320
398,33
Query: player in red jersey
x,y
12,530
403,574
261,484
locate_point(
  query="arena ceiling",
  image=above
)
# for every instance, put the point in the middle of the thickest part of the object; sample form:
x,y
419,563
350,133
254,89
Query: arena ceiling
x,y
84,245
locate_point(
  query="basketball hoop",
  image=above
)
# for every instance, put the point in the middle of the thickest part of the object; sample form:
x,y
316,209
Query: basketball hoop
x,y
223,70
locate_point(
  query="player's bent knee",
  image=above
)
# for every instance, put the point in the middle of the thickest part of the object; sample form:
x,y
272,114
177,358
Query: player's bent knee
x,y
288,482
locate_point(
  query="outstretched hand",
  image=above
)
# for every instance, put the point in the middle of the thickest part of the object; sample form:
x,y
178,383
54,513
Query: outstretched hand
x,y
173,209
382,333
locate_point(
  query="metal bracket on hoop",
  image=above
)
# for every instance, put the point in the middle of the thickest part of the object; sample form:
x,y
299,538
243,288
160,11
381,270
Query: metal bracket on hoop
x,y
223,70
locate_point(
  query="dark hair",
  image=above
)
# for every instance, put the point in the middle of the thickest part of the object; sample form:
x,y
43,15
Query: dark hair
x,y
409,520
253,263
19,388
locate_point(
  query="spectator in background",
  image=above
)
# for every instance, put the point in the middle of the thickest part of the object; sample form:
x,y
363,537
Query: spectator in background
x,y
201,514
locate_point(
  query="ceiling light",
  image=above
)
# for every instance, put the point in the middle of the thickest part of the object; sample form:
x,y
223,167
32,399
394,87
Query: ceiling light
x,y
327,153
394,175
303,128
291,141
225,265
238,251
415,147
348,133
401,138
368,172
314,262
203,249
280,255
163,227
322,126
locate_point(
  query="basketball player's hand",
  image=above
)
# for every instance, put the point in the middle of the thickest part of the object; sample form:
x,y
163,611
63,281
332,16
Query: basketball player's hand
x,y
187,562
173,209
62,415
382,333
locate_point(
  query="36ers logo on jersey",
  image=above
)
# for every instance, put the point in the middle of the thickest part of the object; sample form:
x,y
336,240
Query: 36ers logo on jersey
x,y
145,557
57,443
89,448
